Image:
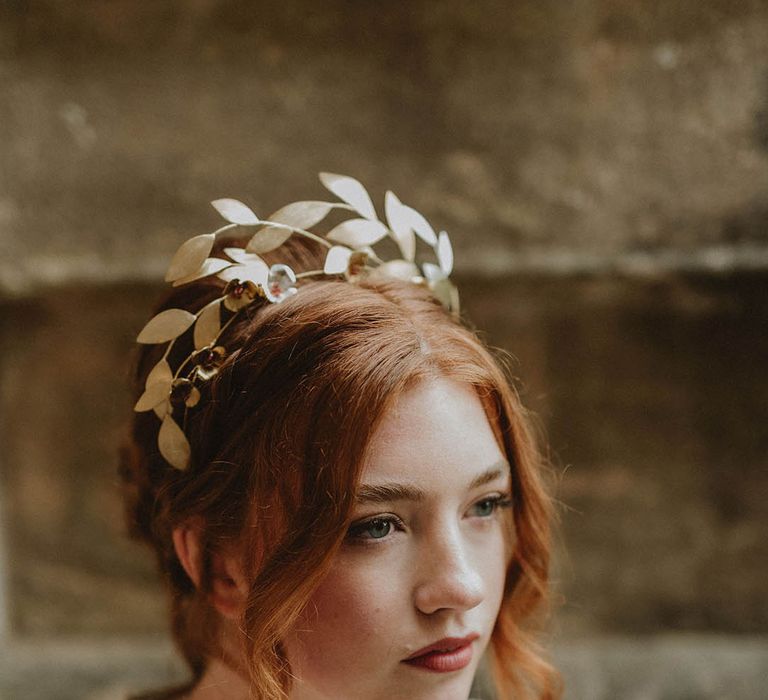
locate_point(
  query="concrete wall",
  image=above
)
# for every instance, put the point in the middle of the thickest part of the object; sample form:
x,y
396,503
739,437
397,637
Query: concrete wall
x,y
602,168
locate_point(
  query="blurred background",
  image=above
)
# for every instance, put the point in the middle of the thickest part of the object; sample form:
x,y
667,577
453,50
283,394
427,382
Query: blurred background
x,y
602,169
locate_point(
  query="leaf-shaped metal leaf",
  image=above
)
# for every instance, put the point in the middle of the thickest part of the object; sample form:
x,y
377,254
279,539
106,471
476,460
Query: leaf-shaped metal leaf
x,y
161,372
407,244
302,214
190,256
235,212
194,398
167,325
210,266
432,272
356,233
256,272
173,444
242,256
154,394
350,191
399,269
208,324
442,290
393,211
161,409
447,294
455,308
445,253
267,239
399,225
337,260
419,224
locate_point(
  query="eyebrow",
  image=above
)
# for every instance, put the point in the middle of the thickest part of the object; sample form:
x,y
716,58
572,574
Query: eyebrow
x,y
385,493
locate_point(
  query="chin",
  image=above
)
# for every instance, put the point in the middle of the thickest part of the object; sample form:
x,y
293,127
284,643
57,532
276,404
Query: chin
x,y
436,688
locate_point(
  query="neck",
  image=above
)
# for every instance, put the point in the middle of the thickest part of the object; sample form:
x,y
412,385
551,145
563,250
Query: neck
x,y
220,682
225,676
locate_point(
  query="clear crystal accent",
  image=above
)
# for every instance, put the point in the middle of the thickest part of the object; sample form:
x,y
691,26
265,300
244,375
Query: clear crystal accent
x,y
280,283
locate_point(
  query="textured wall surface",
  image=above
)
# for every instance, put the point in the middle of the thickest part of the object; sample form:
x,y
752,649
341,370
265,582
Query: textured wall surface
x,y
547,134
602,168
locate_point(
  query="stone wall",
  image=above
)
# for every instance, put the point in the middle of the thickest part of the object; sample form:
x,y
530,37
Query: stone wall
x,y
602,168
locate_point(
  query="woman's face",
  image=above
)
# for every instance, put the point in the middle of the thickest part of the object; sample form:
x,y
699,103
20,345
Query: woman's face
x,y
424,560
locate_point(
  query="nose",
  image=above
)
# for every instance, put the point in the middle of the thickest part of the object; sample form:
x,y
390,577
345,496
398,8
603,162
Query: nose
x,y
447,576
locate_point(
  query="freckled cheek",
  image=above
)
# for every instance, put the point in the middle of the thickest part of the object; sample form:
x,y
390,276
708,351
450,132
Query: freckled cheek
x,y
353,614
492,562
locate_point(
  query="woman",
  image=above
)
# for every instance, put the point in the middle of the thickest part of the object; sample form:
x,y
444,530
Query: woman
x,y
336,476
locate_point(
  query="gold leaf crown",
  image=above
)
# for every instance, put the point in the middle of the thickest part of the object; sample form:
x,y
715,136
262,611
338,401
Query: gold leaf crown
x,y
350,256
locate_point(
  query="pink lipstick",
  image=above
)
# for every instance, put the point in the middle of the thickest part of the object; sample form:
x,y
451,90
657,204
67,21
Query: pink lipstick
x,y
445,655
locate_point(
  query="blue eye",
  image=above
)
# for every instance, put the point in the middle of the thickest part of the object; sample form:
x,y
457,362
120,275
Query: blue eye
x,y
488,506
378,528
375,529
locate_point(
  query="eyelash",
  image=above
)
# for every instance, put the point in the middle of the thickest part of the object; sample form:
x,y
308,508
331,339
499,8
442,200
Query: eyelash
x,y
356,530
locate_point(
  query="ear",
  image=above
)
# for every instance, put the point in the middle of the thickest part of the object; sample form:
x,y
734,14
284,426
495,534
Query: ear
x,y
229,587
186,542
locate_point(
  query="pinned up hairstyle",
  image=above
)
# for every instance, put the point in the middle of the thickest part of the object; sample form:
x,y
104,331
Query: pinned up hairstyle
x,y
272,469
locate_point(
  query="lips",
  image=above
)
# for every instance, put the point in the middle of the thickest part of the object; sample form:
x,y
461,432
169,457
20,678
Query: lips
x,y
445,644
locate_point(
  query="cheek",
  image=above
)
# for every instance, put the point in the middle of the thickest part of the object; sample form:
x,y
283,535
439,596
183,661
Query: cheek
x,y
493,564
348,595
349,620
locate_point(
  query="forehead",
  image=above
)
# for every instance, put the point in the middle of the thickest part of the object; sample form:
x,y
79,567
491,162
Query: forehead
x,y
436,433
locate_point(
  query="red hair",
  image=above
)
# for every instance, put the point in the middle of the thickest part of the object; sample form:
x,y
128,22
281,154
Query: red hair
x,y
278,442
